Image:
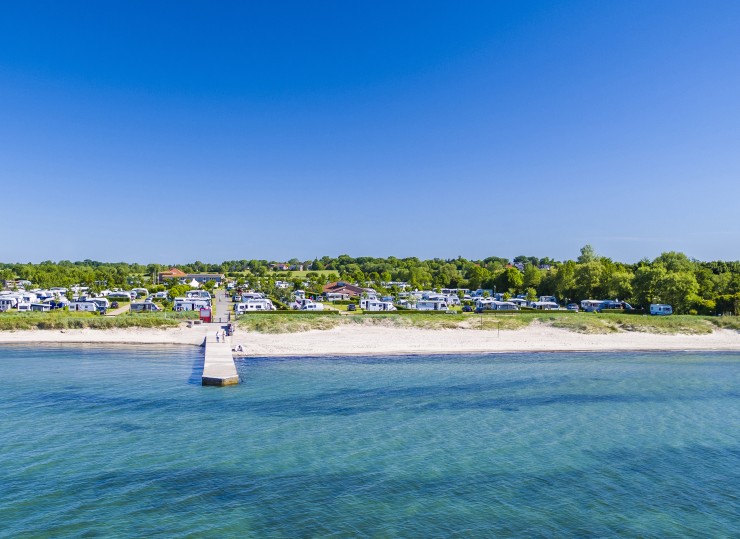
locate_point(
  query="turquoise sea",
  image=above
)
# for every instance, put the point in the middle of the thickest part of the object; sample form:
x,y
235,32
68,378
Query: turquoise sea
x,y
124,442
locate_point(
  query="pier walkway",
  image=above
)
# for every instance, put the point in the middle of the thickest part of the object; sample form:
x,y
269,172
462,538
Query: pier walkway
x,y
218,367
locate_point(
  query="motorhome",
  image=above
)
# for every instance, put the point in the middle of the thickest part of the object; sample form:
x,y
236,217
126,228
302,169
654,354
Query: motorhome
x,y
102,303
590,305
24,307
144,307
374,305
41,307
545,305
488,304
190,304
451,299
431,305
252,305
312,307
299,303
660,309
8,302
614,305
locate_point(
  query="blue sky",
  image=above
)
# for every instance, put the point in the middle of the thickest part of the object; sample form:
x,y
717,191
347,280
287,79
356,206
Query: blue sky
x,y
178,131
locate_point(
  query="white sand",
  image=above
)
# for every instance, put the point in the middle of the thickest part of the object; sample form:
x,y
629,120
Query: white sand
x,y
180,335
366,340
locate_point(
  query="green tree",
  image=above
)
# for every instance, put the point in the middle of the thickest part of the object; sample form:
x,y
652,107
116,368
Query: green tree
x,y
532,276
510,279
588,254
475,276
619,285
178,290
565,280
588,278
646,284
678,288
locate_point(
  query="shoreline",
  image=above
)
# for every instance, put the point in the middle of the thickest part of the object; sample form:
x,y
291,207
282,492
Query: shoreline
x,y
378,341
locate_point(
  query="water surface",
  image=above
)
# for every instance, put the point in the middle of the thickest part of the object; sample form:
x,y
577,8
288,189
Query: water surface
x,y
124,442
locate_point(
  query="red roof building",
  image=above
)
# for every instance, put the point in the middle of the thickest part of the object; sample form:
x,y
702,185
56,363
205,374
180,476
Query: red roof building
x,y
343,288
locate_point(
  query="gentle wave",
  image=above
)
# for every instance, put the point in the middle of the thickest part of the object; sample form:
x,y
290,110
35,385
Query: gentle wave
x,y
122,442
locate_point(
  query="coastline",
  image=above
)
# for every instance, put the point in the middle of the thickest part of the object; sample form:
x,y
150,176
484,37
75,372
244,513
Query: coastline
x,y
359,340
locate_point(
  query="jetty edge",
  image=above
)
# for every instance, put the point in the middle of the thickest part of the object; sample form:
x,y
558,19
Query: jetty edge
x,y
219,368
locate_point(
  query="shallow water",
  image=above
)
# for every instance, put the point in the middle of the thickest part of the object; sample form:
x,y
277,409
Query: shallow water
x,y
124,442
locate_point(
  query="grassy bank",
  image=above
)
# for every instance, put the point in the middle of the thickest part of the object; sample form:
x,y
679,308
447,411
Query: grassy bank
x,y
65,320
588,323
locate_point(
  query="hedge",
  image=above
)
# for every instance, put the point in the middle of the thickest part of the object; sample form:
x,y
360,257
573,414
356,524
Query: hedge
x,y
292,312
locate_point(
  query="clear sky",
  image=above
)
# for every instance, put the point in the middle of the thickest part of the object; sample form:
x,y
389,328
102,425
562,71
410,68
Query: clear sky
x,y
176,131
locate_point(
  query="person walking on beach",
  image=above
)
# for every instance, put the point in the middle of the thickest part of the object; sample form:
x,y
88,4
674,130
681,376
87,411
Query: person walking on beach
x,y
217,337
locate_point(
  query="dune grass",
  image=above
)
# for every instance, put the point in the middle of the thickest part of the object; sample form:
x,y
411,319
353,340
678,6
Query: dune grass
x,y
288,322
617,323
67,320
587,323
725,322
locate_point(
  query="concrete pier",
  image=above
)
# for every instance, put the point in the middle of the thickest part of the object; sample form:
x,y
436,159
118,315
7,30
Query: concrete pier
x,y
218,367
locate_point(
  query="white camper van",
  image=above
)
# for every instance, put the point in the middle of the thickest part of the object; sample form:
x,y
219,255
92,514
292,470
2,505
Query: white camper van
x,y
83,306
312,307
660,309
431,305
374,305
190,304
262,304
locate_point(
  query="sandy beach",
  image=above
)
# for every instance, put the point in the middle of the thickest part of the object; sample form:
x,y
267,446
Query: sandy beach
x,y
368,340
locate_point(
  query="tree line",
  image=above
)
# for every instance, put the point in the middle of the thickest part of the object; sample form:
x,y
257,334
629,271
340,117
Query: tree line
x,y
690,285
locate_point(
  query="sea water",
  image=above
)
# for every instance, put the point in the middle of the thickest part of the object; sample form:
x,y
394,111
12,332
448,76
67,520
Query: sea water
x,y
124,442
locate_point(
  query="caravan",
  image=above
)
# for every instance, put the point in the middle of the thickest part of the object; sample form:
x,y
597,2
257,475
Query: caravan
x,y
660,309
431,305
488,304
253,305
373,305
83,306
